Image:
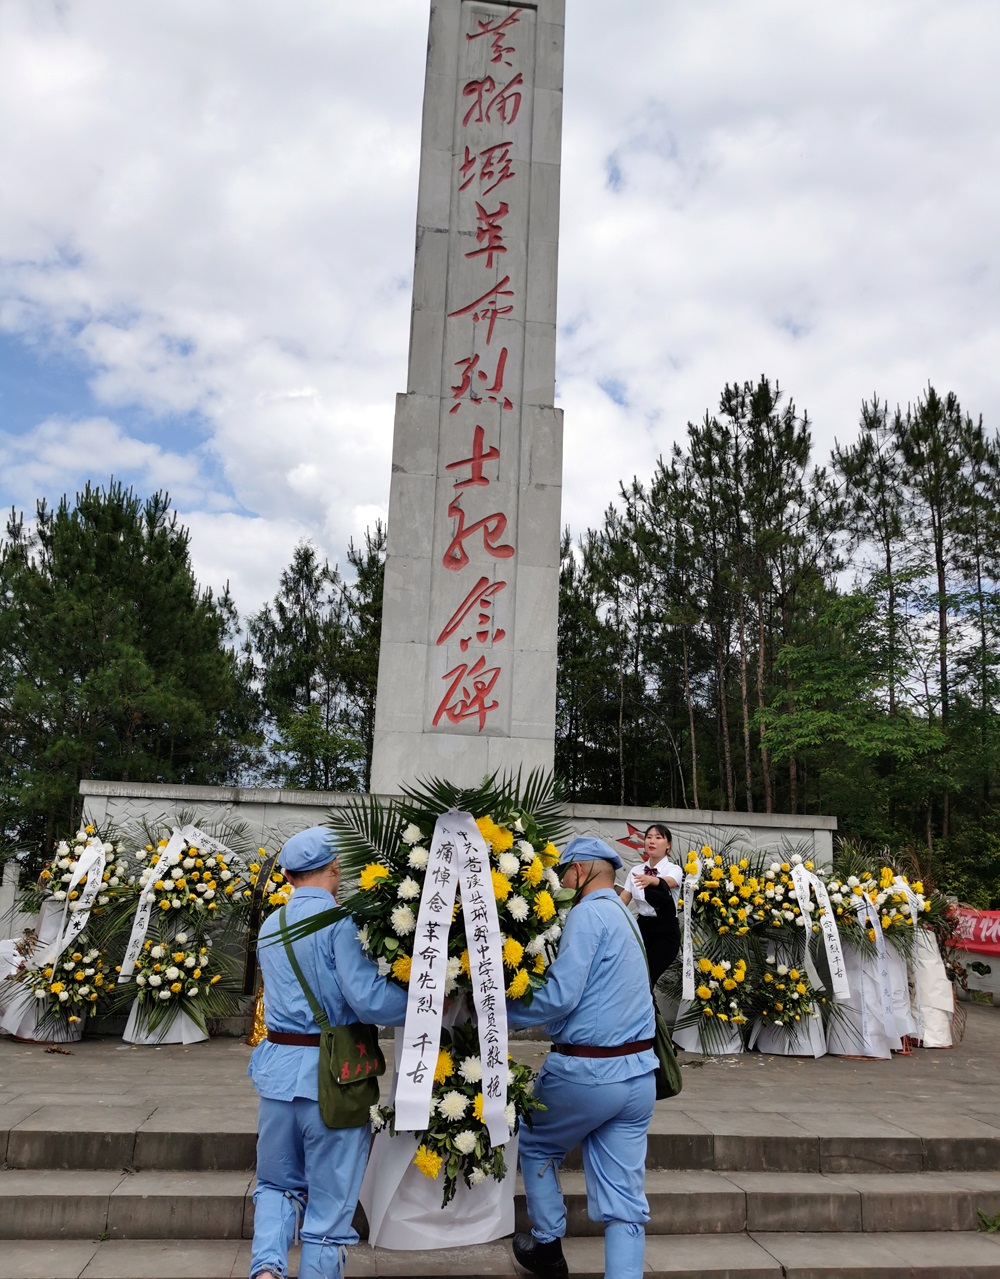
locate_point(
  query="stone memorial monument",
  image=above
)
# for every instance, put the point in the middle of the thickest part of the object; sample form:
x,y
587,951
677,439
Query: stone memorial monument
x,y
467,667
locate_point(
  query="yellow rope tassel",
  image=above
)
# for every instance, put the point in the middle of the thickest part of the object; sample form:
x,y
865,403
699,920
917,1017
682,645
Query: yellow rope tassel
x,y
258,1027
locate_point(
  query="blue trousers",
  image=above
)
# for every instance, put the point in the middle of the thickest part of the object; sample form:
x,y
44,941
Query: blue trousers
x,y
610,1122
307,1170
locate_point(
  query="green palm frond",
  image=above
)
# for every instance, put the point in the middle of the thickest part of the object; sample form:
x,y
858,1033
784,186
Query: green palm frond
x,y
366,831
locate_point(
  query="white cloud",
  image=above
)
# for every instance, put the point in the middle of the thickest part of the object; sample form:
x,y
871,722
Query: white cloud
x,y
213,206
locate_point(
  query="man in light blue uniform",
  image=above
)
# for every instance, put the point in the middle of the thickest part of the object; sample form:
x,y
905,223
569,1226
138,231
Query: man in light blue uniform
x,y
597,1082
303,1167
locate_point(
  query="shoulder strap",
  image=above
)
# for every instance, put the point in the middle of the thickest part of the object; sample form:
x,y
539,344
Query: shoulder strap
x,y
322,1021
638,936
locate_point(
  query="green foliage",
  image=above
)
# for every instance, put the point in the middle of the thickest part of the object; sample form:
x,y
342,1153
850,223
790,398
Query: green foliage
x,y
115,664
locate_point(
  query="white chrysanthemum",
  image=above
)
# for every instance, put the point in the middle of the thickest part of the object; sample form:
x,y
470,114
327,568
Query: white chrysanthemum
x,y
114,881
403,921
376,1119
157,952
519,825
175,902
552,879
63,848
190,961
164,994
788,914
176,873
795,859
141,855
84,990
140,979
181,939
465,1142
510,1078
59,896
477,1177
103,899
508,864
173,973
517,907
553,934
453,1105
535,946
510,1115
471,1070
109,848
418,858
453,972
362,936
782,970
412,834
192,991
384,967
408,889
155,979
800,921
41,994
524,850
63,996
853,881
209,894
226,874
188,863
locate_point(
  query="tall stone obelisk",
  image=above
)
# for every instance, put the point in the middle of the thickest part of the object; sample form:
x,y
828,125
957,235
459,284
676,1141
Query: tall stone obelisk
x,y
467,666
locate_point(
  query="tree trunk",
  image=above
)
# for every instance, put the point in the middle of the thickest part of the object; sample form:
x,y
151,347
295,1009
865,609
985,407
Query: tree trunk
x,y
690,712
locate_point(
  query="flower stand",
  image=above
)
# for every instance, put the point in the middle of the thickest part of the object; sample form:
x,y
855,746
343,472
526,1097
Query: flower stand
x,y
724,1039
935,995
179,1029
806,1038
857,1025
22,1018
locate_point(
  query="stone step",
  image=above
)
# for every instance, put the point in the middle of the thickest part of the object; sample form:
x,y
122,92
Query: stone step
x,y
758,1256
36,1204
175,1137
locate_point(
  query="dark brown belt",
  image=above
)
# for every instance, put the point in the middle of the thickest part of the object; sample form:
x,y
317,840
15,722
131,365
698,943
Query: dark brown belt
x,y
287,1037
588,1050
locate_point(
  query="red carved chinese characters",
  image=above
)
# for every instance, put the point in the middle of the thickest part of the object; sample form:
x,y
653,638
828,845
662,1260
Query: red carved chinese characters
x,y
468,692
490,102
496,30
469,366
479,600
492,528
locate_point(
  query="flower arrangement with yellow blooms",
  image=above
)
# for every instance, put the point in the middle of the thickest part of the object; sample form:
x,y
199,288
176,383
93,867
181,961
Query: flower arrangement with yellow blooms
x,y
722,991
54,879
856,875
456,1144
275,892
784,996
729,898
531,903
194,883
67,988
181,972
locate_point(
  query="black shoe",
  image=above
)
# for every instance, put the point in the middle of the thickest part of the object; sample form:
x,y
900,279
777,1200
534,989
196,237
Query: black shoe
x,y
543,1259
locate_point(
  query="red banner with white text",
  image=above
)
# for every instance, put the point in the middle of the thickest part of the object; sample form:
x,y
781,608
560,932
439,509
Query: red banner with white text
x,y
977,930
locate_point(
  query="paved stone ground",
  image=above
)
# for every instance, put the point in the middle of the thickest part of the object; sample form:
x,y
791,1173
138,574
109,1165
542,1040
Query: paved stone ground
x,y
959,1088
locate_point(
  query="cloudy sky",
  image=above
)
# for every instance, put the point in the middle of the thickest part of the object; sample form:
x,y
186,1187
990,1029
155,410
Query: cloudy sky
x,y
206,240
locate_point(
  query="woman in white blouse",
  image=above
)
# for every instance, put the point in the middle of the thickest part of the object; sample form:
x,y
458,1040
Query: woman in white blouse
x,y
655,884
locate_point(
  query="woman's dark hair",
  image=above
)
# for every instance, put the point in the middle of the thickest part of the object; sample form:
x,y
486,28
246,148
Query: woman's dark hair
x,y
660,829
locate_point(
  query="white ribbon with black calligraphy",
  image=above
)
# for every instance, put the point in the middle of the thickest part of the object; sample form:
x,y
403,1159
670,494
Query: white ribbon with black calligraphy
x,y
868,917
900,886
89,871
167,858
458,861
687,960
804,881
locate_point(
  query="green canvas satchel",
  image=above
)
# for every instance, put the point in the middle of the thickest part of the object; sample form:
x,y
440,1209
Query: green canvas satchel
x,y
350,1059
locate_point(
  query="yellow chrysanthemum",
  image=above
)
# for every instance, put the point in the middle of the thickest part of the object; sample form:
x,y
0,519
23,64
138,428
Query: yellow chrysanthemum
x,y
519,984
691,868
371,875
175,987
445,1067
545,907
428,1162
540,964
704,965
401,968
801,987
464,961
487,828
729,984
550,855
513,953
703,992
718,972
501,885
533,872
477,1107
502,840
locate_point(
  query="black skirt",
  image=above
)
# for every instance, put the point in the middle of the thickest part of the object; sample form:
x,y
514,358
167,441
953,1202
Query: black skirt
x,y
661,933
